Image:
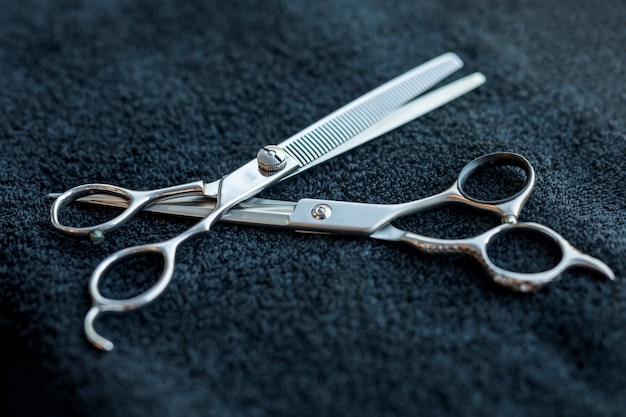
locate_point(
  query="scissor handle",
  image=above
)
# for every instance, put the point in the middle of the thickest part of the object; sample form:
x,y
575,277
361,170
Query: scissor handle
x,y
101,304
167,249
508,207
137,200
519,281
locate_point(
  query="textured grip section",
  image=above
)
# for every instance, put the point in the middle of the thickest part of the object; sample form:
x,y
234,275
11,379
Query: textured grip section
x,y
355,117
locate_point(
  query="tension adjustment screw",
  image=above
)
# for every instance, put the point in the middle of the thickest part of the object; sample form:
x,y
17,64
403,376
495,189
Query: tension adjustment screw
x,y
271,159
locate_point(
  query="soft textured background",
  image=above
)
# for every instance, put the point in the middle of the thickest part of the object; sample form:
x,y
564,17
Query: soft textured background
x,y
270,323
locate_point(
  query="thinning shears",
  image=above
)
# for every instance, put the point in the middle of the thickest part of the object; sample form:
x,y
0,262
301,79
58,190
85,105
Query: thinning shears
x,y
364,119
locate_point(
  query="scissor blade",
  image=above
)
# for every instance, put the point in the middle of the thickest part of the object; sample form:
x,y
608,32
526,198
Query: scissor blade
x,y
344,124
409,112
336,216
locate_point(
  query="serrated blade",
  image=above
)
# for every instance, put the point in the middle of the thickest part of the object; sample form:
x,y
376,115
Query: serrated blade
x,y
347,122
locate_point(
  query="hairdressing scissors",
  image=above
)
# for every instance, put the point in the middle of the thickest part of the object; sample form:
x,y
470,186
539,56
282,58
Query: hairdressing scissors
x,y
382,109
362,120
374,221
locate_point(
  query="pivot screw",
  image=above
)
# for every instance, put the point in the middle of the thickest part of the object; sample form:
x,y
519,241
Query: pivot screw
x,y
271,159
321,212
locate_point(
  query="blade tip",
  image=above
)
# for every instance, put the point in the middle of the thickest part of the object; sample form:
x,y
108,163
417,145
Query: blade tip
x,y
453,56
480,77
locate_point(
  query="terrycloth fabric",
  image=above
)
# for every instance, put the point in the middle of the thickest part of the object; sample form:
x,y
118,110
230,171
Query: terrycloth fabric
x,y
262,322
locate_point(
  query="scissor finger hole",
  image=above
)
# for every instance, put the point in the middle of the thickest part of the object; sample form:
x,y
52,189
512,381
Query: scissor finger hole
x,y
79,214
524,250
495,183
131,276
496,178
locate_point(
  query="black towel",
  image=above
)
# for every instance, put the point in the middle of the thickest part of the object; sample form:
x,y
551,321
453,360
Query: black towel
x,y
261,322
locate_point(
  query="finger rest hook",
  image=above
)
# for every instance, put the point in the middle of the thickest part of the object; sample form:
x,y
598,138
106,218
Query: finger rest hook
x,y
92,335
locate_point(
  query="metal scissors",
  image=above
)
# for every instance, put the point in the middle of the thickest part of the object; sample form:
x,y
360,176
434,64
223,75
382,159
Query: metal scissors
x,y
374,221
367,117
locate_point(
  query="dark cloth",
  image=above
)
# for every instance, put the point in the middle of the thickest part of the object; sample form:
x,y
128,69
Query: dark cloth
x,y
262,322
